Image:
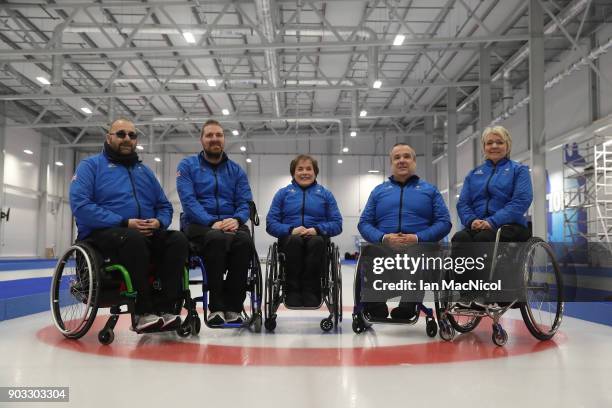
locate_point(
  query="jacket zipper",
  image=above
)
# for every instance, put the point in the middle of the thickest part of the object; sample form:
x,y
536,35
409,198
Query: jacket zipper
x,y
399,228
303,205
487,189
134,190
216,190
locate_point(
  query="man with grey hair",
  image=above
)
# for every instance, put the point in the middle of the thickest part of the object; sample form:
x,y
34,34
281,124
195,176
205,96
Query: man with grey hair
x,y
402,210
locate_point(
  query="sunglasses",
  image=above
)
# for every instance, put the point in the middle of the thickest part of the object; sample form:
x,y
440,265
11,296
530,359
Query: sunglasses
x,y
121,134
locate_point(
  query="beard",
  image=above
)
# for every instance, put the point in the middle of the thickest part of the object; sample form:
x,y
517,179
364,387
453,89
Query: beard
x,y
213,154
119,148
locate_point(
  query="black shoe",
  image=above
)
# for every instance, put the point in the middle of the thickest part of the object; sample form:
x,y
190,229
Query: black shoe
x,y
293,299
216,319
376,310
310,299
171,321
405,311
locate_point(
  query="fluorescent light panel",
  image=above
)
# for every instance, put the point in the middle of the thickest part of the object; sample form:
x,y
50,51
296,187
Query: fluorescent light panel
x,y
189,37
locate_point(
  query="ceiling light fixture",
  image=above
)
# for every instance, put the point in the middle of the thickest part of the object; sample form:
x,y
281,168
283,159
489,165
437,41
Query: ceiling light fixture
x,y
399,39
189,37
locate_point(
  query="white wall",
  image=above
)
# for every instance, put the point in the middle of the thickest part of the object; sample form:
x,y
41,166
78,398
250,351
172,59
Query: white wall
x,y
22,196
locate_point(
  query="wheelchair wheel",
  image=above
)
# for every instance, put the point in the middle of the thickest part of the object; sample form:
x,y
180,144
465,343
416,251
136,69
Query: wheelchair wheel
x,y
271,295
336,286
255,287
74,291
542,310
464,324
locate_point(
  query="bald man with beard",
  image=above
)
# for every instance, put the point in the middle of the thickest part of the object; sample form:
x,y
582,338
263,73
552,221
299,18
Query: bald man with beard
x,y
122,211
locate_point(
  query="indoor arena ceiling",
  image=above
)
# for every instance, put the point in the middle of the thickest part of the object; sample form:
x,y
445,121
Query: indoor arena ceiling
x,y
265,66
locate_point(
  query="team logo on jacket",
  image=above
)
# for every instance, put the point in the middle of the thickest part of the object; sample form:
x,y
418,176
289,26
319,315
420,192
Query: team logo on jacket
x,y
178,173
479,171
112,165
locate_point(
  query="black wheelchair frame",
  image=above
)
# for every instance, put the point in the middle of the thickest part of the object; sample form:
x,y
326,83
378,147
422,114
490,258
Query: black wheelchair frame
x,y
254,288
98,284
331,287
362,321
450,314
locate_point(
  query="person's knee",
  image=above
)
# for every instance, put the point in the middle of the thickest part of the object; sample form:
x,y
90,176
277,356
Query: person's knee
x,y
215,240
134,240
241,241
293,240
461,236
485,236
316,241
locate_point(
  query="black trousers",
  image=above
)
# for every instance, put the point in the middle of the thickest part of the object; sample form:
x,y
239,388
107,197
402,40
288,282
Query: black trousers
x,y
476,243
304,261
222,252
509,233
167,250
366,267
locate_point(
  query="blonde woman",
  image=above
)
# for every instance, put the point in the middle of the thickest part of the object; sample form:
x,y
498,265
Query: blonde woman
x,y
495,193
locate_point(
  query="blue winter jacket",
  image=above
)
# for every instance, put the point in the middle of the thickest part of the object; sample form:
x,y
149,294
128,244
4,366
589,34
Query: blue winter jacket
x,y
210,193
311,207
104,194
499,194
415,207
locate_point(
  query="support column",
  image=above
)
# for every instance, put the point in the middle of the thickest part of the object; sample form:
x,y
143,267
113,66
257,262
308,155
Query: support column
x,y
2,153
451,137
537,136
43,204
484,106
429,166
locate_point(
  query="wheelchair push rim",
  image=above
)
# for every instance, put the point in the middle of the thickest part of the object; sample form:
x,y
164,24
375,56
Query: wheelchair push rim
x,y
74,292
542,310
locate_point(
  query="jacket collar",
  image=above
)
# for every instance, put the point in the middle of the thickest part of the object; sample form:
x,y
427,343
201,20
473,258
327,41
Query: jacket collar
x,y
411,180
499,163
203,160
303,188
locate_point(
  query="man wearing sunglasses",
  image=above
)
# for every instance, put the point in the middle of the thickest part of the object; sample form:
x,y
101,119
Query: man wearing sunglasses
x,y
121,209
215,195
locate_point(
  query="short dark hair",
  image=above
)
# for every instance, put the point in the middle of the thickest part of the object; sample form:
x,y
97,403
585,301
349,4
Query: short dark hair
x,y
299,158
209,122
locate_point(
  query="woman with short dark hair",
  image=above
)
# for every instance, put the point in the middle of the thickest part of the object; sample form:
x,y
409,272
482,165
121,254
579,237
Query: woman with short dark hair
x,y
303,216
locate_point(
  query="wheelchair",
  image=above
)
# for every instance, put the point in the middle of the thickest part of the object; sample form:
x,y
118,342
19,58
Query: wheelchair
x,y
541,301
331,287
362,321
83,282
251,318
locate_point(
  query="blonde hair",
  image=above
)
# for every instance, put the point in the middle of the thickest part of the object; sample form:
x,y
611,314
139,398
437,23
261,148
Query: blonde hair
x,y
500,131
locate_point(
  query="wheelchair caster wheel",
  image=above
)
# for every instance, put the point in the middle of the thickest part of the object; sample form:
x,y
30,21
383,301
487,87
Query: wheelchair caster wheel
x,y
257,323
196,325
270,324
326,325
184,330
499,336
447,332
358,325
106,336
431,328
